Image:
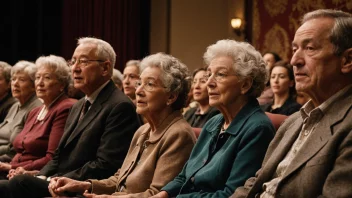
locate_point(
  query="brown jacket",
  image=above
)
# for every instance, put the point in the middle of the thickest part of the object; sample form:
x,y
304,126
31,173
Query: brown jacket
x,y
167,151
322,168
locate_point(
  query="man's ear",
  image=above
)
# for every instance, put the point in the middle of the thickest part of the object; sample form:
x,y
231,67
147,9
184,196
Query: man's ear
x,y
347,61
106,68
246,85
172,98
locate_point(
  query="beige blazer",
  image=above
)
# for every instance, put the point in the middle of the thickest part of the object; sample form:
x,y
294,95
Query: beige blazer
x,y
323,167
165,154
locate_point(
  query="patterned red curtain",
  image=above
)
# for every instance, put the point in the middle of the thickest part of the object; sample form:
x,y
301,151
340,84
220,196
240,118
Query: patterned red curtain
x,y
273,23
122,23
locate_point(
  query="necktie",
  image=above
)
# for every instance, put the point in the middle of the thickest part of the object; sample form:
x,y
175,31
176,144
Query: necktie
x,y
84,109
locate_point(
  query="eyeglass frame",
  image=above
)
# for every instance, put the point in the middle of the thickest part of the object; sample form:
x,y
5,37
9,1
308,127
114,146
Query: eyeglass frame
x,y
82,61
139,84
216,77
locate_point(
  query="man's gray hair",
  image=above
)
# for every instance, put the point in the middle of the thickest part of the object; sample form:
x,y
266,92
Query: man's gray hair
x,y
340,35
104,49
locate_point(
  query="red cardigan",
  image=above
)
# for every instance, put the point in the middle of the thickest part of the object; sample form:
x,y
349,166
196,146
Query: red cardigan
x,y
37,142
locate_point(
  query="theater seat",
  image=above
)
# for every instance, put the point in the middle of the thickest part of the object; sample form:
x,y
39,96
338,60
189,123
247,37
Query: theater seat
x,y
196,131
276,119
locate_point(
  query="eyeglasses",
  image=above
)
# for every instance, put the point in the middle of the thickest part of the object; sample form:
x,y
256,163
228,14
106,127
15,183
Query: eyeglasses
x,y
149,85
81,62
219,76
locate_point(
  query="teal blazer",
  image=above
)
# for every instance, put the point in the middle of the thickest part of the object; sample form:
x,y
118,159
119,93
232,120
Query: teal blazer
x,y
220,163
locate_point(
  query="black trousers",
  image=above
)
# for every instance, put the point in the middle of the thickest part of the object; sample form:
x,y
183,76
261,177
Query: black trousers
x,y
24,186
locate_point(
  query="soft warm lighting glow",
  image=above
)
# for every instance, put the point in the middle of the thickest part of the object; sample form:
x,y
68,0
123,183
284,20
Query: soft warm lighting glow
x,y
236,23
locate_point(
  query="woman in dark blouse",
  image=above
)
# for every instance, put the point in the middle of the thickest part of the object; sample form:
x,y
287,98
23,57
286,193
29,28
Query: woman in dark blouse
x,y
282,83
198,116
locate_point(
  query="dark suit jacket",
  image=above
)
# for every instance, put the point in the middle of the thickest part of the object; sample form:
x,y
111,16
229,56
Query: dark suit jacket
x,y
322,167
95,146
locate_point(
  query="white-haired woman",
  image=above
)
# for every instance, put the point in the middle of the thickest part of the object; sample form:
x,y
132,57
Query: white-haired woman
x,y
117,78
22,86
232,145
130,77
159,148
36,143
6,99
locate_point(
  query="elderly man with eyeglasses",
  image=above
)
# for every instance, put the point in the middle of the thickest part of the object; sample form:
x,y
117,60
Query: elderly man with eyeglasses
x,y
98,130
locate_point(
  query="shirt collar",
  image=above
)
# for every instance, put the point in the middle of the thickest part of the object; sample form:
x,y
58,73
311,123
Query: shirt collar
x,y
309,108
95,94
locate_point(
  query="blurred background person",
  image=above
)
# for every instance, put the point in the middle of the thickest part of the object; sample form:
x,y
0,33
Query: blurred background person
x,y
282,83
130,78
6,99
231,146
198,116
36,143
22,88
270,58
117,78
159,148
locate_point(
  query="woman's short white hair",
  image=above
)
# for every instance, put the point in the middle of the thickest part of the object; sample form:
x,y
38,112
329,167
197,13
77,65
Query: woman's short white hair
x,y
25,66
134,63
117,77
104,49
175,76
247,62
59,67
6,71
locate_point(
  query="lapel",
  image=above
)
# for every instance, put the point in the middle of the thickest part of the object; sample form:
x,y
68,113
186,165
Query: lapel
x,y
50,110
132,158
71,121
322,133
78,126
281,150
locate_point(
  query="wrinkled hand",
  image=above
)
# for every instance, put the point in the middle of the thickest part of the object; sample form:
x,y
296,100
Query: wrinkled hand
x,y
92,195
162,194
21,171
60,185
11,174
5,166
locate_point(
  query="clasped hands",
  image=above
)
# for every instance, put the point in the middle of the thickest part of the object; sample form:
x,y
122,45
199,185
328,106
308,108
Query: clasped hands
x,y
13,172
59,186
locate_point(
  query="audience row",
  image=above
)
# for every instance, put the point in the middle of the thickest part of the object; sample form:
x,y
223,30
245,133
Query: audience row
x,y
127,136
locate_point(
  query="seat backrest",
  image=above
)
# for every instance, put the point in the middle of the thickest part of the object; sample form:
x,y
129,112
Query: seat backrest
x,y
276,119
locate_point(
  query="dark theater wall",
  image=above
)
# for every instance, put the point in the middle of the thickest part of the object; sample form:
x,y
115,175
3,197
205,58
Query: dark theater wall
x,y
29,29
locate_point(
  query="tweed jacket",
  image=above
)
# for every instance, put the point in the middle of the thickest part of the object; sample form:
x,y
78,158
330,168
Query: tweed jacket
x,y
96,145
5,105
14,123
37,142
322,167
219,163
144,173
